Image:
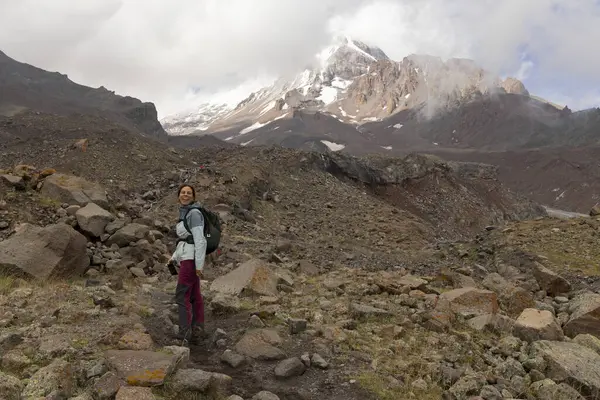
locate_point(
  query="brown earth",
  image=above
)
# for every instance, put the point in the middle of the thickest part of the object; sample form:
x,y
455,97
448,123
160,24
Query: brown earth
x,y
563,178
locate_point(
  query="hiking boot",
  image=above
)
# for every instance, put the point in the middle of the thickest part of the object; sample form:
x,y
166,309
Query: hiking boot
x,y
198,334
183,338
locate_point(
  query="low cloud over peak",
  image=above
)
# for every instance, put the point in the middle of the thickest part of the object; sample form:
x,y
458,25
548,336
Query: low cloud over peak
x,y
158,51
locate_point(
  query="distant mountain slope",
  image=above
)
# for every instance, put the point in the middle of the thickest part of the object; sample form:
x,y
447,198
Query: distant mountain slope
x,y
23,86
355,83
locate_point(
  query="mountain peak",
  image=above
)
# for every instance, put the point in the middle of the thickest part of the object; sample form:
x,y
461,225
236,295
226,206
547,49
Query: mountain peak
x,y
356,83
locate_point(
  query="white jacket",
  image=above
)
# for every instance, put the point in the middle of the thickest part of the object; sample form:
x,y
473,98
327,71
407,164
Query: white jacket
x,y
188,251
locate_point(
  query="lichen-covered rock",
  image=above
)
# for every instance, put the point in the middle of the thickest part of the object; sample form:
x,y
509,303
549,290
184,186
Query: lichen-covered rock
x,y
58,376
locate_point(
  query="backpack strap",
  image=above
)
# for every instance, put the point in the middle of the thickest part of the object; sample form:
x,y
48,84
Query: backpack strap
x,y
204,216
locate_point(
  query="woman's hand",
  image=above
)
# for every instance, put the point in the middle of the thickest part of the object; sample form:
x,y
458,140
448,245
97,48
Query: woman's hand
x,y
199,273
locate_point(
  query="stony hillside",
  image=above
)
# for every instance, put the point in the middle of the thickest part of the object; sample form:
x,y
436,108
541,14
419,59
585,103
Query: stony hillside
x,y
26,87
563,178
371,278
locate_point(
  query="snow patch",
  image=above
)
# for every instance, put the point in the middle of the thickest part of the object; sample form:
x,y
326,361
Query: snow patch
x,y
340,83
328,95
252,127
353,46
230,137
407,96
398,126
267,108
248,142
333,146
285,106
371,119
258,125
386,147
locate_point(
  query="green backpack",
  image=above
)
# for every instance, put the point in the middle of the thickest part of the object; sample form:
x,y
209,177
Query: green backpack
x,y
212,228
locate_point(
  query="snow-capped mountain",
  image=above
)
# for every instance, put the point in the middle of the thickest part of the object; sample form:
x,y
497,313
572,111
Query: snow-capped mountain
x,y
354,83
199,119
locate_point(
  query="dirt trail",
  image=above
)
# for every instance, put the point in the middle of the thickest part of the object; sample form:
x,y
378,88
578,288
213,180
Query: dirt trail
x,y
255,376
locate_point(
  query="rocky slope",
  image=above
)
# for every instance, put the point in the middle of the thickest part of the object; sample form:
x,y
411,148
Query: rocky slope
x,y
26,87
374,278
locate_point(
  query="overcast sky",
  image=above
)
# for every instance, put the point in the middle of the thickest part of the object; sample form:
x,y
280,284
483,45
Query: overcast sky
x,y
160,51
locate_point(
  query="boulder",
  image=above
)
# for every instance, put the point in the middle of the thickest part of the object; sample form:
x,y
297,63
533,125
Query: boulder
x,y
585,315
55,251
550,281
535,324
59,375
14,181
92,219
260,344
253,277
128,234
470,301
10,386
197,380
74,190
571,363
142,367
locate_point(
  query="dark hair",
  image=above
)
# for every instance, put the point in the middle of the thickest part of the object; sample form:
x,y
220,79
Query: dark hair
x,y
186,185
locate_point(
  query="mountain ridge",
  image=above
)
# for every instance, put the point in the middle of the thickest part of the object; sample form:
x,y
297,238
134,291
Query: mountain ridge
x,y
27,87
355,83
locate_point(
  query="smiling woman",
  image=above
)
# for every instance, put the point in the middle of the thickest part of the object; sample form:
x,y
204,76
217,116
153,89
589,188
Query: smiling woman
x,y
189,255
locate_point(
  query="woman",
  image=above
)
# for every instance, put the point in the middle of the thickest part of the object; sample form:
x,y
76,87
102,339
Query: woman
x,y
189,255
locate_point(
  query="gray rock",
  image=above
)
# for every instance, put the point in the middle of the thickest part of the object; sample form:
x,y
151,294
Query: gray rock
x,y
197,380
319,361
107,386
132,365
54,251
92,219
128,234
73,190
260,344
585,316
264,395
364,311
572,363
489,392
233,359
10,387
253,277
535,325
56,376
289,368
297,325
550,281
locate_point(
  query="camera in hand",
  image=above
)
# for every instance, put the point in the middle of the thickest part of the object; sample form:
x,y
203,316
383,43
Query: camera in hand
x,y
172,267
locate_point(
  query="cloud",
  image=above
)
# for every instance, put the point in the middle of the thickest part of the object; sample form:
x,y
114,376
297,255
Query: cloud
x,y
159,51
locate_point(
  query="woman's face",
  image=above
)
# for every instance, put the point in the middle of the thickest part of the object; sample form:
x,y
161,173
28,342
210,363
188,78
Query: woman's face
x,y
186,195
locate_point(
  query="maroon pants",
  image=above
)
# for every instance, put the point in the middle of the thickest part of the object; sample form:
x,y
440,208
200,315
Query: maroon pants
x,y
188,296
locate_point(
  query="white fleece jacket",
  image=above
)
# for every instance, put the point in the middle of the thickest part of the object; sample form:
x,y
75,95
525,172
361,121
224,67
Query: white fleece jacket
x,y
187,251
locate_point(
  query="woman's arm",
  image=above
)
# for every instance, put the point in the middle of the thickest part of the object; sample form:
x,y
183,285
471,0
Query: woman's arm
x,y
196,224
